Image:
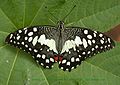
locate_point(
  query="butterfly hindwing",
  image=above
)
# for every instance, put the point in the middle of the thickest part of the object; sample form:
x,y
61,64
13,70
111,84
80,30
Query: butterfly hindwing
x,y
82,43
38,41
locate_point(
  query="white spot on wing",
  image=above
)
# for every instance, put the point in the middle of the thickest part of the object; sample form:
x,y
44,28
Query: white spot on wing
x,y
93,49
30,33
25,31
83,53
95,31
85,31
14,42
18,37
10,40
25,28
51,59
68,63
101,41
35,41
26,46
96,46
30,39
47,66
41,64
109,40
78,40
26,38
89,36
94,34
18,43
22,43
108,45
66,69
14,37
101,47
72,68
84,43
61,67
79,56
11,36
43,56
100,35
19,31
89,42
38,55
88,52
30,49
35,50
72,59
35,29
64,61
77,59
93,41
47,60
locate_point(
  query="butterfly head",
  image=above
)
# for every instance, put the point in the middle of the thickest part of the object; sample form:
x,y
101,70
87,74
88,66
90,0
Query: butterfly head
x,y
61,25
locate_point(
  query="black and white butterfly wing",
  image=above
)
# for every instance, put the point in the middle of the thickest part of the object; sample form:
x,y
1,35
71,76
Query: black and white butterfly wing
x,y
39,41
80,44
69,46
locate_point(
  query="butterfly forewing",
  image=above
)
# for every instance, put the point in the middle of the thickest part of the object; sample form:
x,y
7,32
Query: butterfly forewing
x,y
80,44
39,41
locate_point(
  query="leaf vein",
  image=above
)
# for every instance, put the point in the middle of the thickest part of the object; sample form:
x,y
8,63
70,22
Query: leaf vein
x,y
8,18
37,12
4,32
24,13
13,64
103,69
94,14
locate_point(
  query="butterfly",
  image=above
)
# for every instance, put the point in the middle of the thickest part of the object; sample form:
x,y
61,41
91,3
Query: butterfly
x,y
68,46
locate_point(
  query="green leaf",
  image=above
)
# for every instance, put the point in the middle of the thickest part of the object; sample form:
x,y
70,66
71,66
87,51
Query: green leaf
x,y
18,67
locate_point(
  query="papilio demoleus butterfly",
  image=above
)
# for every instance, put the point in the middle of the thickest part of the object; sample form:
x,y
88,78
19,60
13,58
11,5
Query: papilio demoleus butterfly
x,y
68,46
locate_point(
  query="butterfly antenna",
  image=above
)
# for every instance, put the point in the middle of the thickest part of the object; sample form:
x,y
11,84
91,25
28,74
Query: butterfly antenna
x,y
69,13
52,14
